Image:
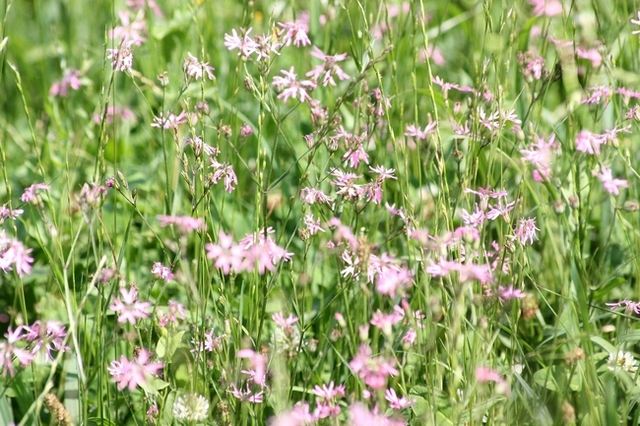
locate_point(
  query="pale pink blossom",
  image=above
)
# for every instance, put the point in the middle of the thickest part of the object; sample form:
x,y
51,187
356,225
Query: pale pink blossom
x,y
328,69
185,224
196,69
9,350
71,79
291,87
610,184
162,272
395,402
122,57
130,32
135,372
245,44
372,370
546,7
29,194
295,32
129,308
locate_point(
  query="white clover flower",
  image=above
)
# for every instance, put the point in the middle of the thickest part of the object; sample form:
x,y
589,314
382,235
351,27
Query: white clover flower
x,y
622,361
191,407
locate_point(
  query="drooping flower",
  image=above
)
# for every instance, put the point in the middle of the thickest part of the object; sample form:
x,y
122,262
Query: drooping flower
x,y
29,194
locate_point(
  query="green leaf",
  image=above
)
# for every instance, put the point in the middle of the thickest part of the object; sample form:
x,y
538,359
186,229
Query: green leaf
x,y
6,414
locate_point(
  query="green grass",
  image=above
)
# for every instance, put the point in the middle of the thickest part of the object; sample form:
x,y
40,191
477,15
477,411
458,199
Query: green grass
x,y
549,353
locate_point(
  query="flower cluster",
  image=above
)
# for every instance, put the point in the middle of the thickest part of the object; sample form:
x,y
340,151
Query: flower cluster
x,y
256,251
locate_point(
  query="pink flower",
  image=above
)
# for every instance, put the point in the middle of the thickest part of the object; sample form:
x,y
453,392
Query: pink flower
x,y
359,415
137,5
14,255
385,322
176,309
329,68
170,121
7,213
9,351
129,307
372,370
629,305
546,7
228,256
122,57
248,395
589,142
526,230
295,32
292,88
29,194
225,172
507,293
162,272
196,69
484,374
610,184
50,336
414,131
539,155
71,79
283,322
299,415
135,372
258,364
313,226
245,44
129,33
395,402
185,224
